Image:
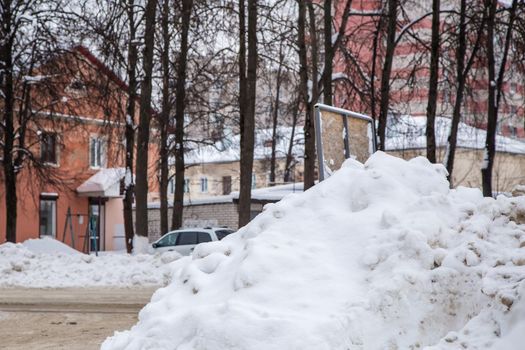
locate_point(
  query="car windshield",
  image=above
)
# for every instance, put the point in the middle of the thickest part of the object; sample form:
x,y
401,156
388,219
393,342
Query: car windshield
x,y
223,233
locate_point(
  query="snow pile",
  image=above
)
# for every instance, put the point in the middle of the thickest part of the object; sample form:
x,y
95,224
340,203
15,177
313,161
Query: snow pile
x,y
141,245
48,245
379,256
105,183
39,264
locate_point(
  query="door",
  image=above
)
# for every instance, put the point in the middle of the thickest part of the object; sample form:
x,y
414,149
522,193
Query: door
x,y
48,217
186,242
226,185
96,225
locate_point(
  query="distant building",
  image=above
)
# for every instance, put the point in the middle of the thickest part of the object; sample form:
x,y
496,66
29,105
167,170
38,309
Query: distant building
x,y
406,139
213,170
410,71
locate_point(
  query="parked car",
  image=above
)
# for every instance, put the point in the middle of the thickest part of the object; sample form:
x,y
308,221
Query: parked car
x,y
185,240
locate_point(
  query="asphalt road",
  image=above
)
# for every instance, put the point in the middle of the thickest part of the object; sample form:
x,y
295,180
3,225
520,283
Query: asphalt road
x,y
69,318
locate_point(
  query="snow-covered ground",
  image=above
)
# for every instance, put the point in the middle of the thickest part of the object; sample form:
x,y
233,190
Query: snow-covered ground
x,y
47,263
379,256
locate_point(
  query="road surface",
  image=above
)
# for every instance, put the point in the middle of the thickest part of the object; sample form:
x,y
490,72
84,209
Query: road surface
x,y
69,318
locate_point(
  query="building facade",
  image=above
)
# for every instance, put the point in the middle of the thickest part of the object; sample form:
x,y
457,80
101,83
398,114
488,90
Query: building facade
x,y
76,136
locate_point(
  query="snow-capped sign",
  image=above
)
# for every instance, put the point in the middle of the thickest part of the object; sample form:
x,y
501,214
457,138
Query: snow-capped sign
x,y
341,134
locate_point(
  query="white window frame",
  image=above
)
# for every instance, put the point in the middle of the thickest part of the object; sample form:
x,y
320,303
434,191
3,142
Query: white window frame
x,y
56,163
204,184
513,88
52,201
102,152
171,186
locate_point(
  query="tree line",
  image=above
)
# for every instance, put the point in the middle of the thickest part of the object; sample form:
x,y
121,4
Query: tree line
x,y
197,71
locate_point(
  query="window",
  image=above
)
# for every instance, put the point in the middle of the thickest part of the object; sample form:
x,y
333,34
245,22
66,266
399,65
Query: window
x,y
77,85
48,152
186,238
254,181
223,233
186,185
171,186
48,216
97,152
226,184
203,237
513,88
168,241
204,184
446,94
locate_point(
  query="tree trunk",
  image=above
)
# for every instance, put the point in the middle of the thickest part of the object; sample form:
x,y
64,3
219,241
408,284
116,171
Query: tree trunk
x,y
328,52
309,131
242,77
462,71
164,120
6,57
387,70
303,74
248,137
289,154
180,105
433,84
130,128
460,77
275,119
375,45
495,88
492,118
141,189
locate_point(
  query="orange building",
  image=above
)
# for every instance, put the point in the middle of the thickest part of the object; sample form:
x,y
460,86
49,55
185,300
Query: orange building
x,y
76,130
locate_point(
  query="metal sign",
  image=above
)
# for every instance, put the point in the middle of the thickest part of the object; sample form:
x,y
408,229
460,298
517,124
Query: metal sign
x,y
341,134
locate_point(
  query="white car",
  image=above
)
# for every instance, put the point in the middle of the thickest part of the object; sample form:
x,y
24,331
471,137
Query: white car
x,y
184,241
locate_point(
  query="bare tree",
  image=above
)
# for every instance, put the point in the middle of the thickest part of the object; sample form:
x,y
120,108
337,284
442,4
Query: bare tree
x,y
164,117
463,65
143,136
496,74
386,71
308,96
328,52
28,34
248,100
132,60
180,105
433,83
275,111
